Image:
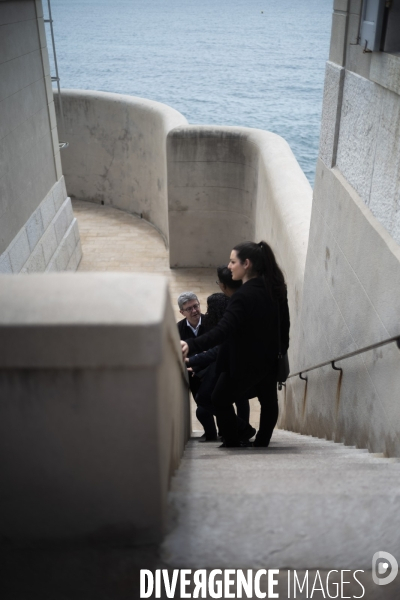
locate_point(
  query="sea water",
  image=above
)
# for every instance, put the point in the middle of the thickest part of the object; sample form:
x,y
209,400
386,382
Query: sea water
x,y
254,63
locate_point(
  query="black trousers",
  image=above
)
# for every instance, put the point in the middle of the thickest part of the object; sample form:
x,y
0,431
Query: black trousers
x,y
205,409
229,389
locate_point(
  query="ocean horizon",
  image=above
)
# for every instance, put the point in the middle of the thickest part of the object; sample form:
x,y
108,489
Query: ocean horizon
x,y
251,63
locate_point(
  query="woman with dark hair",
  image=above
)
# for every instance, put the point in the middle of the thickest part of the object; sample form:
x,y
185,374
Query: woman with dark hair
x,y
216,306
248,333
227,285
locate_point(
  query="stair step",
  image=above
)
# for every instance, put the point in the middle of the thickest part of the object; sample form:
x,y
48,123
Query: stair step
x,y
302,503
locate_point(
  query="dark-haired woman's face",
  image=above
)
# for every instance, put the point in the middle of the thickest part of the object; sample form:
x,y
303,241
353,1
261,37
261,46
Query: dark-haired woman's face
x,y
236,267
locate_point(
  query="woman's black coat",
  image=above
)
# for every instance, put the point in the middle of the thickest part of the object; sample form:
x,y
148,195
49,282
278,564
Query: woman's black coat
x,y
248,331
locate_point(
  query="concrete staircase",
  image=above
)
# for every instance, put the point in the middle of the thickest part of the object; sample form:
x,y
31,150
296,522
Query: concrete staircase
x,y
302,503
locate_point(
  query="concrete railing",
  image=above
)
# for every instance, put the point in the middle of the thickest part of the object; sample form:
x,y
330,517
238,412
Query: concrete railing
x,y
117,152
231,184
94,411
204,188
225,184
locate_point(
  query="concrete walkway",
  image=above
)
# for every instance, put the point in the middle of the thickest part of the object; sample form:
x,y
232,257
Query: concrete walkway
x,y
113,240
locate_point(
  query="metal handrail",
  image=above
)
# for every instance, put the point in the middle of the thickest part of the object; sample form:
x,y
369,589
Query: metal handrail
x,y
348,355
56,77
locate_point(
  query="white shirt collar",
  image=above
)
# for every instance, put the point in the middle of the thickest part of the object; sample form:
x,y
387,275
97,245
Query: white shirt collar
x,y
194,329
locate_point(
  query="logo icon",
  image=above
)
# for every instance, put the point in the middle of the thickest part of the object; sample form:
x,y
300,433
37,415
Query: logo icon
x,y
384,563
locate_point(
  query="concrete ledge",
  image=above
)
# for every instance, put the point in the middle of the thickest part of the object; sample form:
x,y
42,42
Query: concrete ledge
x,y
117,152
94,413
70,316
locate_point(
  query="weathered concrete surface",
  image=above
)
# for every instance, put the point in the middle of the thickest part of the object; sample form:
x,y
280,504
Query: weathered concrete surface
x,y
362,120
301,503
94,411
385,70
352,274
350,301
117,152
332,104
338,37
49,240
27,167
369,147
31,181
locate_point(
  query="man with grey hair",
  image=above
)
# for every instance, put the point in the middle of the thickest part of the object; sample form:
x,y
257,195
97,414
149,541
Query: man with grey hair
x,y
190,326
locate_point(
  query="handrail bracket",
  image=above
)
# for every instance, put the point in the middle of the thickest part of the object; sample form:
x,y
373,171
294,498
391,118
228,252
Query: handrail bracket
x,y
336,368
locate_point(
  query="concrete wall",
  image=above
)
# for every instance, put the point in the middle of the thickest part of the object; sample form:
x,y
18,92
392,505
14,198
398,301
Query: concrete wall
x,y
231,184
94,413
351,288
49,240
32,189
204,188
117,152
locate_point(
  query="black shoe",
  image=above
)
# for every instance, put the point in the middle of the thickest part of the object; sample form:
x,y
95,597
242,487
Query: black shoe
x,y
239,444
247,433
246,444
208,438
259,444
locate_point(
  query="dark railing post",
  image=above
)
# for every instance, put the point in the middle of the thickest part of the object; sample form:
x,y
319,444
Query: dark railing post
x,y
339,385
305,392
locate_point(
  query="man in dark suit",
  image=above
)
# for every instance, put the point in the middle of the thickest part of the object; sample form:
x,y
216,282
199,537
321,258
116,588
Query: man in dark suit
x,y
190,327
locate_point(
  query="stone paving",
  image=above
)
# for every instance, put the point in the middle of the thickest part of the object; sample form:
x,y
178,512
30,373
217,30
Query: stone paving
x,y
113,240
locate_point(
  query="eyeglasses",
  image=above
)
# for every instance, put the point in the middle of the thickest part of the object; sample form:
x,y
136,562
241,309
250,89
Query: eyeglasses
x,y
191,308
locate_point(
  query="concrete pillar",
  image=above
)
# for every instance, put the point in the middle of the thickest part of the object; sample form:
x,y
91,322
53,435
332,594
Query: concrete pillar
x,y
94,411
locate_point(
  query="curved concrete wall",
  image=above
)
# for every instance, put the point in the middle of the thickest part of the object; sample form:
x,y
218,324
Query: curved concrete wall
x,y
231,184
204,188
117,152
